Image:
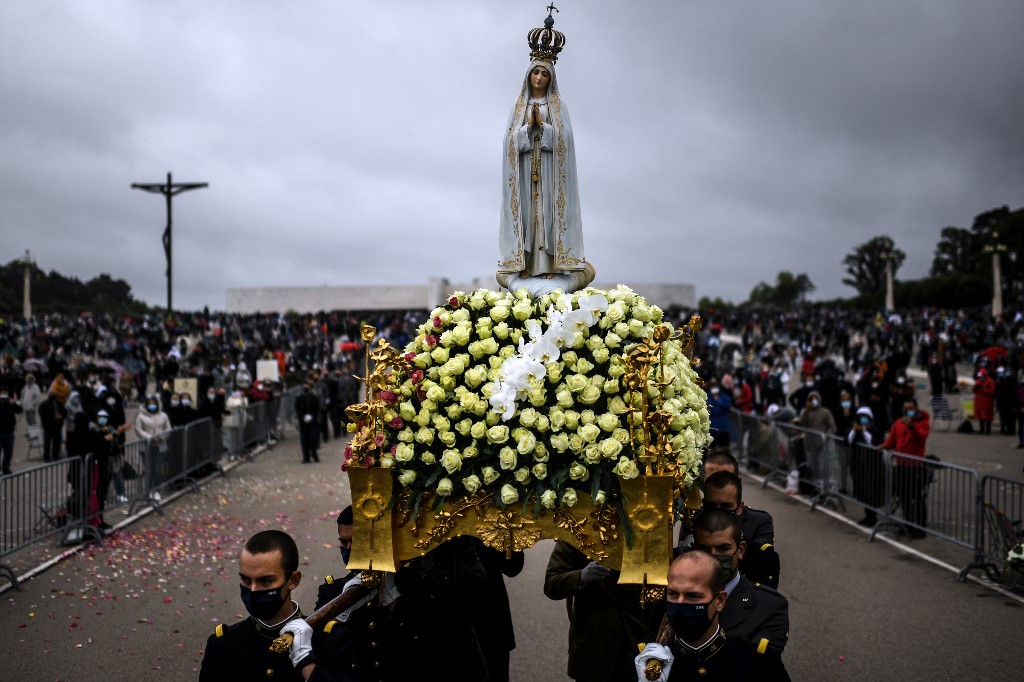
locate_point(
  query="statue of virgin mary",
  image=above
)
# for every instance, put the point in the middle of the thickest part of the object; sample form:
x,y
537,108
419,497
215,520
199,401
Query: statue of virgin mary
x,y
540,240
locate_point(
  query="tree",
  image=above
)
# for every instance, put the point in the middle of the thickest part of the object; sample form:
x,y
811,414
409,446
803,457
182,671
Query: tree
x,y
957,252
866,264
787,291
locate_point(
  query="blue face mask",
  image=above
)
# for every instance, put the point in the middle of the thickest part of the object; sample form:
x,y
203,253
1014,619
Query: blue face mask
x,y
688,621
102,421
911,413
865,421
846,404
346,554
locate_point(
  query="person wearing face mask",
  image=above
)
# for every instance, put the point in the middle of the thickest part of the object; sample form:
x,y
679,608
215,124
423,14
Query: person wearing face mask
x,y
52,416
798,398
753,611
1006,400
908,437
153,425
723,490
899,390
103,446
213,406
268,569
984,400
719,405
700,649
332,587
9,411
307,413
819,421
370,623
873,392
867,468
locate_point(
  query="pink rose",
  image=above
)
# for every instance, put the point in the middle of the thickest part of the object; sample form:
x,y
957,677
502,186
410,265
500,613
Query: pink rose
x,y
437,322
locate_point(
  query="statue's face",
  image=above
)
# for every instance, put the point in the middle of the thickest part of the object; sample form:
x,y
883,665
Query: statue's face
x,y
539,78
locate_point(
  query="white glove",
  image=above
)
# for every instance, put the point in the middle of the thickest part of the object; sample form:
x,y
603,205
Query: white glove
x,y
593,571
653,652
302,639
356,581
388,590
307,418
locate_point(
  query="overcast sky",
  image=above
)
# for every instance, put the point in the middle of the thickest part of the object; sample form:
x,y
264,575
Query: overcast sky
x,y
359,142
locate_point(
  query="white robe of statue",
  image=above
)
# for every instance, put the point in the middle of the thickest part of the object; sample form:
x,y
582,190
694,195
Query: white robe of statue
x,y
543,238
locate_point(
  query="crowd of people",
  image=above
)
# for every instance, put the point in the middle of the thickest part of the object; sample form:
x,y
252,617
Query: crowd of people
x,y
80,377
89,384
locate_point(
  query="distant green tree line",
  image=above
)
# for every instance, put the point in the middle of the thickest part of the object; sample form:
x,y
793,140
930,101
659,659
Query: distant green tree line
x,y
960,275
54,293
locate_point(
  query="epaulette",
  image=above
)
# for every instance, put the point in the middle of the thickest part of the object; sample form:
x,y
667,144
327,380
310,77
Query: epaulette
x,y
329,580
767,588
762,646
220,630
766,546
330,625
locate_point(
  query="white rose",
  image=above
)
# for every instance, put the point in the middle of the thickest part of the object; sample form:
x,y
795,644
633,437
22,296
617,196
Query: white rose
x,y
471,483
509,495
451,461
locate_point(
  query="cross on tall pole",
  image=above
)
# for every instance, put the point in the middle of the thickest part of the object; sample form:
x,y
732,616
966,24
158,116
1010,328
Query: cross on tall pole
x,y
169,189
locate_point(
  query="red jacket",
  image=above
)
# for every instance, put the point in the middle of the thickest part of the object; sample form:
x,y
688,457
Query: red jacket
x,y
909,440
984,396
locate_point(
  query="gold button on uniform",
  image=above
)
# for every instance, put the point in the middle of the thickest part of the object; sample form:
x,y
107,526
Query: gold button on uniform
x,y
702,671
270,672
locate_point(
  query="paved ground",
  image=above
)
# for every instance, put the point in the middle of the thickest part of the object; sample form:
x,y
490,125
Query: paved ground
x,y
143,604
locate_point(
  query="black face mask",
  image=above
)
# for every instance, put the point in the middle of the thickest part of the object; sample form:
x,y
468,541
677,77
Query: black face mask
x,y
262,604
346,554
688,621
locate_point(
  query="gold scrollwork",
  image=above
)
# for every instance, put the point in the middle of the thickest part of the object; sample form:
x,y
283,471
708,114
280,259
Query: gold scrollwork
x,y
564,519
446,519
508,531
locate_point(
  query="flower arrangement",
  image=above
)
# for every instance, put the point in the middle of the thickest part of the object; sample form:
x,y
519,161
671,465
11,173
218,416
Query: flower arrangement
x,y
534,401
1015,557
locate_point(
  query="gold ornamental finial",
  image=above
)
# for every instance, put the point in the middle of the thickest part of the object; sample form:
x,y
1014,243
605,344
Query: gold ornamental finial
x,y
545,43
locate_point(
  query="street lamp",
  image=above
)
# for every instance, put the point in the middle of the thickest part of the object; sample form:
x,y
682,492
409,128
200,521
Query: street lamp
x,y
26,302
996,248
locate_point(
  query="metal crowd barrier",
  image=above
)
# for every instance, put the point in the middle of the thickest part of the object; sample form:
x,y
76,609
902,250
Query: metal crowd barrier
x,y
1001,508
898,492
40,503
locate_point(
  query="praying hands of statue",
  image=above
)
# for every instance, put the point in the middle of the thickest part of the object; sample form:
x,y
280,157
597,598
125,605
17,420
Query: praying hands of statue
x,y
536,119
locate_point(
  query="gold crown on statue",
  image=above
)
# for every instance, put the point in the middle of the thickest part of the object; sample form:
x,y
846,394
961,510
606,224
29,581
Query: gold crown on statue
x,y
545,43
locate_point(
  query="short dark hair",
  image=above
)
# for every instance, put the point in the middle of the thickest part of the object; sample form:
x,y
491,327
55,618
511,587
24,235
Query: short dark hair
x,y
717,582
722,458
724,479
268,541
716,520
345,517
